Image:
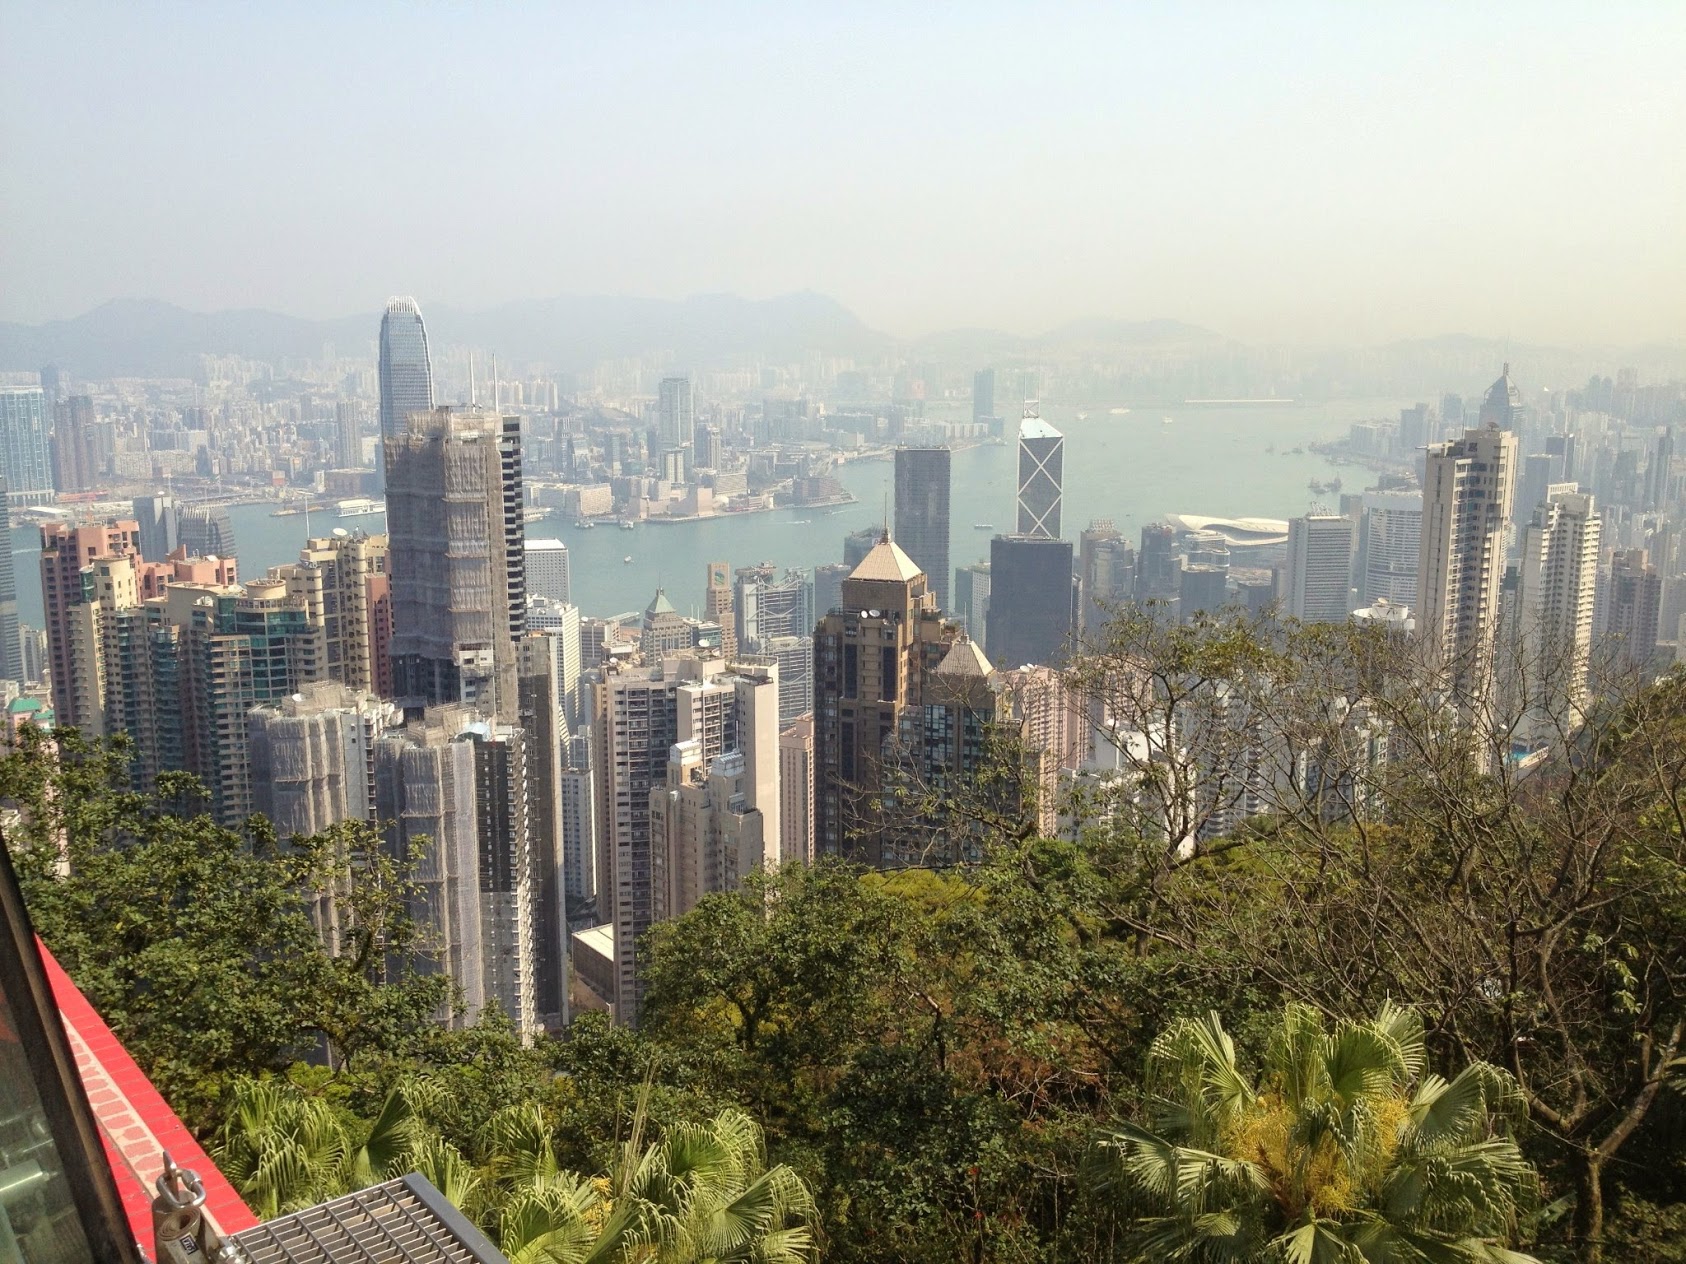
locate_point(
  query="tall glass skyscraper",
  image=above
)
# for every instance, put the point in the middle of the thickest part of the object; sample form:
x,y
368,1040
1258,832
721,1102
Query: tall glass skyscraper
x,y
1041,478
406,373
24,454
922,493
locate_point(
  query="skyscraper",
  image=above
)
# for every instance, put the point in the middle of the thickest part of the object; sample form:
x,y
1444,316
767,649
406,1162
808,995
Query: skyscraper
x,y
332,578
1041,478
871,657
971,600
11,642
983,394
65,550
1032,600
313,756
857,544
155,517
542,667
215,651
1466,508
922,513
638,714
1156,563
1319,577
348,441
455,559
24,449
406,374
1502,405
1107,564
1632,608
718,606
676,418
1559,578
74,453
547,570
206,531
1390,538
796,792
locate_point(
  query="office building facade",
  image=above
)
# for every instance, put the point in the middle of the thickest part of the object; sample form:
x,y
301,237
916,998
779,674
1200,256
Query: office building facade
x,y
25,460
922,513
1032,601
1318,581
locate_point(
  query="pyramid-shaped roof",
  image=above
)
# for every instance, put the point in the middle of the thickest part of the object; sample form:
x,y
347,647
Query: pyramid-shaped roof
x,y
886,561
659,604
965,658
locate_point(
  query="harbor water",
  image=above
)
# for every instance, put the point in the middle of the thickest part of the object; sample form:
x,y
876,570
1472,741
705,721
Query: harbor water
x,y
1134,467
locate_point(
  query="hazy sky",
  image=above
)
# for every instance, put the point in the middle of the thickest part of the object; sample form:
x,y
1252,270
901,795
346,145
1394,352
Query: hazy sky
x,y
1278,172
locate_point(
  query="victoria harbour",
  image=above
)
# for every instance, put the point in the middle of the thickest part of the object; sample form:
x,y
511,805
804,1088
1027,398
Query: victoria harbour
x,y
1134,467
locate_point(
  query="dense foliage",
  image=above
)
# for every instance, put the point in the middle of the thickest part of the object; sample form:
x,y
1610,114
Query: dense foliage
x,y
968,1065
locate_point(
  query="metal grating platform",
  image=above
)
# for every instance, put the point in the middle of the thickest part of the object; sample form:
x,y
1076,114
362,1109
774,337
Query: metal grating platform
x,y
406,1221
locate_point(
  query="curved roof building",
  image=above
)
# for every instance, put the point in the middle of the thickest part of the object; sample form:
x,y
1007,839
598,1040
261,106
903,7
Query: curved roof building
x,y
1238,533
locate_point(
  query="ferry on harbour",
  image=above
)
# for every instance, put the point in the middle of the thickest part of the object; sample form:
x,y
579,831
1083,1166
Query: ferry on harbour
x,y
361,507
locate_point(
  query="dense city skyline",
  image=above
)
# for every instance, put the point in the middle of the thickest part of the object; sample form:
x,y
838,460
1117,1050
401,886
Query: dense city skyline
x,y
1306,174
992,569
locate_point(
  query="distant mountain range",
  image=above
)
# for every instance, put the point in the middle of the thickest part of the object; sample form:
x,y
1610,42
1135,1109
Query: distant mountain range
x,y
150,338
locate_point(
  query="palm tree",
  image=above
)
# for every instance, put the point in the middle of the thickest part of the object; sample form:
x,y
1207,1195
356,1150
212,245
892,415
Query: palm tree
x,y
702,1194
284,1150
1342,1152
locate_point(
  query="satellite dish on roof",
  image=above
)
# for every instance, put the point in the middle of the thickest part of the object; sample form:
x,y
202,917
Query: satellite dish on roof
x,y
341,532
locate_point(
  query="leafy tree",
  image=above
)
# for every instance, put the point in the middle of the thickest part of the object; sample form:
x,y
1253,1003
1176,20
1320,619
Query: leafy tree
x,y
1342,1149
195,942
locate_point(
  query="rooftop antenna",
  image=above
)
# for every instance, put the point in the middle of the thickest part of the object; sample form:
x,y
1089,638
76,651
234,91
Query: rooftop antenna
x,y
472,397
886,538
495,404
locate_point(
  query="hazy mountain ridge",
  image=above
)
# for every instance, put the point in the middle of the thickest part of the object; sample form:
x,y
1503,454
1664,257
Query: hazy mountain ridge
x,y
152,338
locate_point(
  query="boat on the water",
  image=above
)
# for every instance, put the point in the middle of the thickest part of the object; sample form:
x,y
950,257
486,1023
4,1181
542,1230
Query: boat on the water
x,y
983,526
286,513
585,524
361,507
627,524
1118,412
627,558
534,515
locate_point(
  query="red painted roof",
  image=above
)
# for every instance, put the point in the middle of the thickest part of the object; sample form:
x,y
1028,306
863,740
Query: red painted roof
x,y
136,1123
